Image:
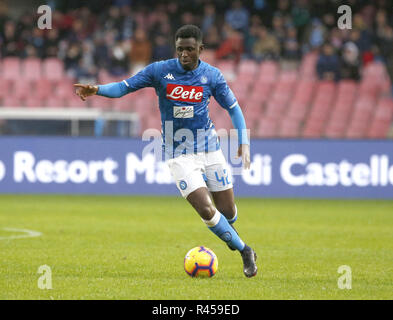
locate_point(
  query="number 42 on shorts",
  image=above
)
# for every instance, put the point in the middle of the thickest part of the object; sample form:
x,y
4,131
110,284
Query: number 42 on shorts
x,y
224,179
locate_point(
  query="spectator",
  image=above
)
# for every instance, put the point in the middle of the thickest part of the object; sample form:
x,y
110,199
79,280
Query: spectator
x,y
232,47
237,17
291,46
72,59
212,38
10,45
317,34
141,50
120,61
301,17
51,43
350,62
209,18
162,50
328,64
266,46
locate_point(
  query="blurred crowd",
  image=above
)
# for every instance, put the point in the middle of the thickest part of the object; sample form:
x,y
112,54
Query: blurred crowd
x,y
124,35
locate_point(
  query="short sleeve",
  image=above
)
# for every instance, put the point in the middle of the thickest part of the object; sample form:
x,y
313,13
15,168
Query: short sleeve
x,y
222,93
144,78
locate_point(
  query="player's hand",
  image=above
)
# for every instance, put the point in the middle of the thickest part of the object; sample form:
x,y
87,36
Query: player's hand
x,y
244,152
85,90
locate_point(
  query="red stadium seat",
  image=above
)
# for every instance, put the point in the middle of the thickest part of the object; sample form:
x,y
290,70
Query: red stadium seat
x,y
55,102
75,102
289,128
382,120
53,69
102,103
308,66
34,102
313,129
303,92
268,72
12,101
22,89
247,68
12,69
65,89
209,56
267,128
32,68
43,88
297,110
5,88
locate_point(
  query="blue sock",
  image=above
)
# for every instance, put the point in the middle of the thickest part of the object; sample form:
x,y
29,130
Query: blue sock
x,y
220,226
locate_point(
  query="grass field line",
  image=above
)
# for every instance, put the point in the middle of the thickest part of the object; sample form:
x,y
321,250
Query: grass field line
x,y
28,234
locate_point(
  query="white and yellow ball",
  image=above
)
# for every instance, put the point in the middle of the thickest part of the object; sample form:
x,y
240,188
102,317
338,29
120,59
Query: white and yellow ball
x,y
200,262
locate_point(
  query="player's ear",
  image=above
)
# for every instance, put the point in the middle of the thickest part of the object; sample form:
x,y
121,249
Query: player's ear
x,y
201,47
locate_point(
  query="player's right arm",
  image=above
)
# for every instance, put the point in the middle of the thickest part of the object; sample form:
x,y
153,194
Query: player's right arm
x,y
144,78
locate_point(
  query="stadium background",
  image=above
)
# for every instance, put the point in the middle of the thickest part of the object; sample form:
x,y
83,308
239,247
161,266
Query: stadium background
x,y
306,88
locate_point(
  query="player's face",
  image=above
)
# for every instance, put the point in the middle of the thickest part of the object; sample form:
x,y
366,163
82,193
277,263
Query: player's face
x,y
188,51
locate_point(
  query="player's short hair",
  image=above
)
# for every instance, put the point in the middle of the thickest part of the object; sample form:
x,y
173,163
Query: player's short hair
x,y
189,31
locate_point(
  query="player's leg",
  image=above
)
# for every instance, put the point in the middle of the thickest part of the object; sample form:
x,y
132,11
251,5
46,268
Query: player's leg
x,y
215,221
219,182
225,203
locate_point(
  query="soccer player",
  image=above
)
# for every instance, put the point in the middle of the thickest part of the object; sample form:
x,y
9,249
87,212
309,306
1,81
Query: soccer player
x,y
184,87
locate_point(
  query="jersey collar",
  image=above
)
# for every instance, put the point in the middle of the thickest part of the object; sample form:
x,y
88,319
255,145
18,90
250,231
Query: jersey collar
x,y
180,69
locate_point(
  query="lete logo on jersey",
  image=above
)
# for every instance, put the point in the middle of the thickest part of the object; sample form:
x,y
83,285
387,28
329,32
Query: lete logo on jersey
x,y
179,92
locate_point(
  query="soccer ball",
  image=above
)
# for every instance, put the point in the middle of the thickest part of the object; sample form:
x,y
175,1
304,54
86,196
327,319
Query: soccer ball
x,y
201,262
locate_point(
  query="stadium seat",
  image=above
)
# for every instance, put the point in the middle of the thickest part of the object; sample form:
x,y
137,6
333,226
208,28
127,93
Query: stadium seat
x,y
55,102
289,128
11,69
5,88
101,103
382,120
34,102
227,68
31,68
43,88
313,129
268,71
307,68
12,101
297,110
303,91
64,89
75,102
209,56
122,104
247,68
22,89
267,128
53,69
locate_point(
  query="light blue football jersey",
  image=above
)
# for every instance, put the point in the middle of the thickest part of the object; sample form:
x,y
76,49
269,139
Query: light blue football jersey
x,y
184,98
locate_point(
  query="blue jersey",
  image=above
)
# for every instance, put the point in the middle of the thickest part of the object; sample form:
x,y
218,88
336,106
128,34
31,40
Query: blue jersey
x,y
184,98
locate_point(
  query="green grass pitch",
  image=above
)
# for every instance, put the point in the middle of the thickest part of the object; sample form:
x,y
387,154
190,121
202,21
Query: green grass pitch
x,y
102,247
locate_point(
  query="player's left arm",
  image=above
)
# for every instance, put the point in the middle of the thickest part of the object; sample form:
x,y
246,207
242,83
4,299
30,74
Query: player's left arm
x,y
225,97
239,123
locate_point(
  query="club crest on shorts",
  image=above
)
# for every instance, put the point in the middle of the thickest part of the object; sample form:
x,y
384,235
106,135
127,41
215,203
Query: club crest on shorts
x,y
183,185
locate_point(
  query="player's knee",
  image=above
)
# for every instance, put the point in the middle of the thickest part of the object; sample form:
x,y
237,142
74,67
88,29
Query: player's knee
x,y
228,211
206,212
